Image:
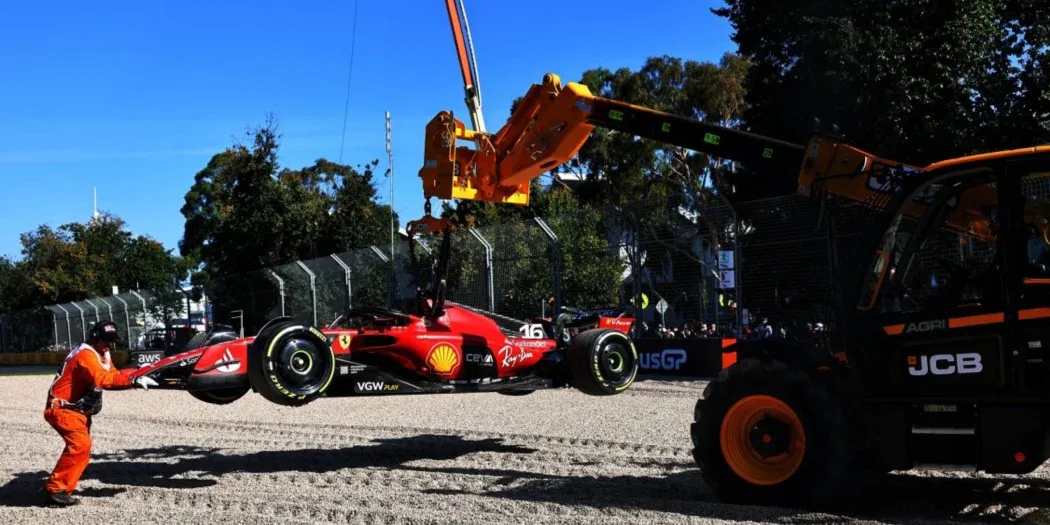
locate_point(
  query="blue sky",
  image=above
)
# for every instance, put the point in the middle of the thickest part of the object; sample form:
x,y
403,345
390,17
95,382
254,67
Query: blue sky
x,y
134,97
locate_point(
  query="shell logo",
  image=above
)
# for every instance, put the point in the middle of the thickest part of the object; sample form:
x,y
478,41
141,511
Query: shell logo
x,y
443,359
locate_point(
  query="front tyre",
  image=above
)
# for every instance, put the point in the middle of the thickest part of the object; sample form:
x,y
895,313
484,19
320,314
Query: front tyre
x,y
291,364
602,362
768,433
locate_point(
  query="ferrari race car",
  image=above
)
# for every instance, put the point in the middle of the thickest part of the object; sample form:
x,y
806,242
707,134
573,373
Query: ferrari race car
x,y
440,347
208,367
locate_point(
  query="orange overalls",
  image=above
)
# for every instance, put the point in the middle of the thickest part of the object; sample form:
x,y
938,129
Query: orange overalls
x,y
75,396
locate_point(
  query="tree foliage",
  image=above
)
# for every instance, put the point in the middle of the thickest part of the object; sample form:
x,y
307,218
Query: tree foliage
x,y
245,212
916,81
78,261
524,256
619,168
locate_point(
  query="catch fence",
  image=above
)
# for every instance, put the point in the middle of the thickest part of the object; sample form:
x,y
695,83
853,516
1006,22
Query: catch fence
x,y
61,327
670,263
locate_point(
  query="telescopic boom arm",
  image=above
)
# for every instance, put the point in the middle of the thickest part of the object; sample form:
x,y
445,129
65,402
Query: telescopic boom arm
x,y
552,122
457,17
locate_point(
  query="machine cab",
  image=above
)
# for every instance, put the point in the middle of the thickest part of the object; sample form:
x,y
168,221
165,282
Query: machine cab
x,y
956,298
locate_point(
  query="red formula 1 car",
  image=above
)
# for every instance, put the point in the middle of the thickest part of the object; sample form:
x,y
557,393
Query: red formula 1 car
x,y
441,347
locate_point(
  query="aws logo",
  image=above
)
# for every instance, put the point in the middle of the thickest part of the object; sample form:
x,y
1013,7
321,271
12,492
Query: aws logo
x,y
443,359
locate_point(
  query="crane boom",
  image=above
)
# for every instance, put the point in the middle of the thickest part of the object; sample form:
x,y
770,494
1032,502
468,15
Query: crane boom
x,y
457,17
717,141
552,122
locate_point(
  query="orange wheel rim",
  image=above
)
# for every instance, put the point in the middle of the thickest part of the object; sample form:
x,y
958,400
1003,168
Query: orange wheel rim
x,y
763,440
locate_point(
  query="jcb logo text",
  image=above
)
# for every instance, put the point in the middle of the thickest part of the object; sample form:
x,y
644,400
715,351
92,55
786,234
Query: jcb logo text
x,y
945,364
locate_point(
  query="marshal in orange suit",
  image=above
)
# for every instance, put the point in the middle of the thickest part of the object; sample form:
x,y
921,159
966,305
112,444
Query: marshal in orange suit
x,y
74,398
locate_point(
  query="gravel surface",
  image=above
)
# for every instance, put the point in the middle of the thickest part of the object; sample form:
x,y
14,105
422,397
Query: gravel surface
x,y
550,457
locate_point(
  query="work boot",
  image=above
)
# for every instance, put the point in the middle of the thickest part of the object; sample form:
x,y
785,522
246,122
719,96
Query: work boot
x,y
61,499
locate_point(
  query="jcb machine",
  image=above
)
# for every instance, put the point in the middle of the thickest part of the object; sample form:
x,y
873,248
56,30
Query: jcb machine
x,y
935,360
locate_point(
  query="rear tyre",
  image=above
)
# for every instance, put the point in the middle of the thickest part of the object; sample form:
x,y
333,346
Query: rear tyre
x,y
602,362
291,364
220,396
768,433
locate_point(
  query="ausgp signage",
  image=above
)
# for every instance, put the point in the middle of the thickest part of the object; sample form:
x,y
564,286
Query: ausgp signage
x,y
669,359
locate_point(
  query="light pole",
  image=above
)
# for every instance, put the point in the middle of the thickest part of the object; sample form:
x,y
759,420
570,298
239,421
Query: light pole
x,y
390,165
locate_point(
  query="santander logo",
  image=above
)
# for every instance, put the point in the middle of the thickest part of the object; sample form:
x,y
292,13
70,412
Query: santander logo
x,y
230,365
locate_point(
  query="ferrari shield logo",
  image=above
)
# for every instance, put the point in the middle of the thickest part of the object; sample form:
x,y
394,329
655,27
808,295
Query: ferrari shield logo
x,y
344,341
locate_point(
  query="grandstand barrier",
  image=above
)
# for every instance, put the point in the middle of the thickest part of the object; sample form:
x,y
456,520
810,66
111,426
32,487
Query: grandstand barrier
x,y
695,358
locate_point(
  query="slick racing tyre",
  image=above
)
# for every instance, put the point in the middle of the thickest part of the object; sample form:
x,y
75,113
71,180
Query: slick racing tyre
x,y
768,433
291,363
602,362
220,396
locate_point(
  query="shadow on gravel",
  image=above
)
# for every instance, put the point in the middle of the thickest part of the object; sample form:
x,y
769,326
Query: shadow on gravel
x,y
24,490
182,467
886,498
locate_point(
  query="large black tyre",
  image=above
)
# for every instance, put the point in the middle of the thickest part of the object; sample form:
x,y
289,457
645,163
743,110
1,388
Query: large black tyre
x,y
291,363
220,396
768,433
602,362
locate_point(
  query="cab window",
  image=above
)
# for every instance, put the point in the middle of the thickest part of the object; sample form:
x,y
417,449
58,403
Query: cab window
x,y
1035,190
942,252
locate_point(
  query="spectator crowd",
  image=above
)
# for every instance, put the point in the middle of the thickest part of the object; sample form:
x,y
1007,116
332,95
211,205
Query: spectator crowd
x,y
698,330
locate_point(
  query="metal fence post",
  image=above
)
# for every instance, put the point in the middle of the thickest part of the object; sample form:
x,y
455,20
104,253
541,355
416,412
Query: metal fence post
x,y
97,318
313,288
83,323
54,320
127,317
346,273
556,260
280,288
144,307
389,285
490,289
738,262
69,331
